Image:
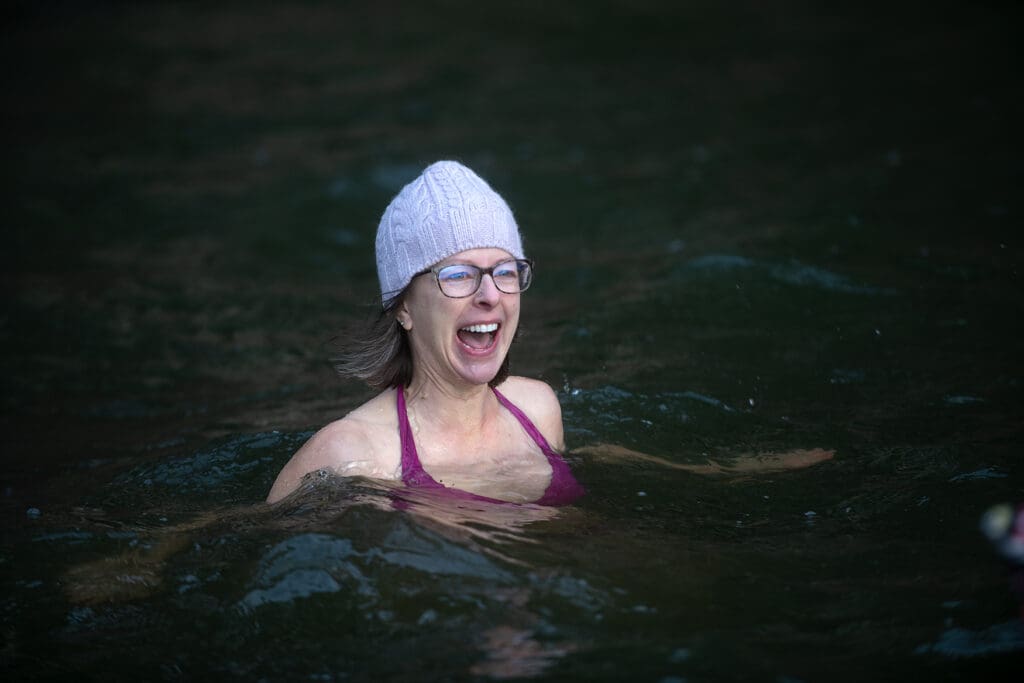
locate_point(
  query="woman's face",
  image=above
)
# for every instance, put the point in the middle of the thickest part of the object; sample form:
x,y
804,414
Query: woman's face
x,y
455,340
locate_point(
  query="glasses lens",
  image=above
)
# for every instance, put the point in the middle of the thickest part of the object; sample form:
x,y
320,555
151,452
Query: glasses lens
x,y
508,277
458,280
525,272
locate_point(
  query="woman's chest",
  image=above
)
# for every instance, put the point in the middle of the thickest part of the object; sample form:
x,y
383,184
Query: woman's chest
x,y
506,464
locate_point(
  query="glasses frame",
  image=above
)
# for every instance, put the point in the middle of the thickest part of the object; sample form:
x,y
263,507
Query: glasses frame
x,y
436,270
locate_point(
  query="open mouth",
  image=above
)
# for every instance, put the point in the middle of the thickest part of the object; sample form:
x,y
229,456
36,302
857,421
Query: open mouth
x,y
478,337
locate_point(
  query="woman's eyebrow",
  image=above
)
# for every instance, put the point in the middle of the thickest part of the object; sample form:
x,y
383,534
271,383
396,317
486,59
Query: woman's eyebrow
x,y
470,263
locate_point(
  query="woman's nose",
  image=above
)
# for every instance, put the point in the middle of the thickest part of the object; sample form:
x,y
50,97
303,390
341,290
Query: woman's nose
x,y
487,293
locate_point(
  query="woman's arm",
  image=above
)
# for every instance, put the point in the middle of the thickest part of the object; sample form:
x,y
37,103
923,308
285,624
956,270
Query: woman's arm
x,y
746,463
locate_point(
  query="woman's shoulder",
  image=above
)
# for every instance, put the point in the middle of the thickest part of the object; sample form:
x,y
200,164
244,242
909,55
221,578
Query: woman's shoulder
x,y
363,443
540,403
528,390
366,435
376,414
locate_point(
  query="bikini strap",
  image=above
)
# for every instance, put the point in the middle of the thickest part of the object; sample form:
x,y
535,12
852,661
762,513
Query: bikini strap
x,y
412,469
563,487
527,424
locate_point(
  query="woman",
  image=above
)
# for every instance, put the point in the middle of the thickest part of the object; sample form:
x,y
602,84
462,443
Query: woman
x,y
452,271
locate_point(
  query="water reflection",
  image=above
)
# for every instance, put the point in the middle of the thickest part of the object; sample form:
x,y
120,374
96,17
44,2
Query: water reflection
x,y
518,589
418,529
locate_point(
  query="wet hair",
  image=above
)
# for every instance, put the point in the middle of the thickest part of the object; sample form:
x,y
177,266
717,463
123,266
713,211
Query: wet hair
x,y
380,354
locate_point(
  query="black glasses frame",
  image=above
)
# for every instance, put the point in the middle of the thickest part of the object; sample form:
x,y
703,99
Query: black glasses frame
x,y
436,270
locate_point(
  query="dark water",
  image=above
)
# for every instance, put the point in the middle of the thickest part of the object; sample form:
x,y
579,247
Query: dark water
x,y
758,228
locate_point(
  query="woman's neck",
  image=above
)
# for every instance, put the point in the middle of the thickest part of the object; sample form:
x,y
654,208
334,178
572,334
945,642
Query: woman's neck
x,y
448,407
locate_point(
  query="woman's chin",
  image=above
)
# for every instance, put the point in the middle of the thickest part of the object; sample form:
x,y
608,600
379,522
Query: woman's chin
x,y
479,377
479,373
476,367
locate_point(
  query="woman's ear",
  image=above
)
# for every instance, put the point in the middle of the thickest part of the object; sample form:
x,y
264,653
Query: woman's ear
x,y
403,318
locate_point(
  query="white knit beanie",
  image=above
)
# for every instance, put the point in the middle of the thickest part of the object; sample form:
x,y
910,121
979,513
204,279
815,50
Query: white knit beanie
x,y
447,209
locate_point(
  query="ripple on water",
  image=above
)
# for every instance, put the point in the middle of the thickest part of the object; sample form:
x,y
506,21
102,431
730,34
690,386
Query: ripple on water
x,y
962,400
846,376
413,548
225,468
983,473
610,401
792,272
305,565
313,563
575,590
588,413
958,643
120,409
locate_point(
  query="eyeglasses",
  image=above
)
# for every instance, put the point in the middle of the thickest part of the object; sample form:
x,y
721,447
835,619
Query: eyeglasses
x,y
462,279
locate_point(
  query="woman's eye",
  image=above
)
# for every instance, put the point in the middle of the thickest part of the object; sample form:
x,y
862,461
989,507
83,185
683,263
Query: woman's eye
x,y
457,275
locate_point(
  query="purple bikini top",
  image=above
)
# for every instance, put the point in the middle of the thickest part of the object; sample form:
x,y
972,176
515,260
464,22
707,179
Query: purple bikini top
x,y
562,490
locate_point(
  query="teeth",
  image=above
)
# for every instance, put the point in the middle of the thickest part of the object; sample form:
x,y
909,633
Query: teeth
x,y
481,328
